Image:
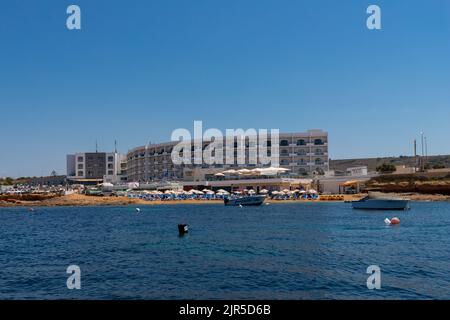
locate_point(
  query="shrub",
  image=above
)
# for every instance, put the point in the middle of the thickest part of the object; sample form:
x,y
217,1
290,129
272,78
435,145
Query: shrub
x,y
386,168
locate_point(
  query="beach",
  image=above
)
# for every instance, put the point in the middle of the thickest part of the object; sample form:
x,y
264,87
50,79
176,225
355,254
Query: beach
x,y
84,200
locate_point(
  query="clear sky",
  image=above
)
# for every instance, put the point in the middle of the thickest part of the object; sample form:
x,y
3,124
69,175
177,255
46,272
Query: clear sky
x,y
140,69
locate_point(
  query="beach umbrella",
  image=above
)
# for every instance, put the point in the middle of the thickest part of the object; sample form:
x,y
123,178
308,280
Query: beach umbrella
x,y
271,171
219,174
286,191
210,192
251,191
312,191
206,190
302,191
106,184
231,171
264,191
133,185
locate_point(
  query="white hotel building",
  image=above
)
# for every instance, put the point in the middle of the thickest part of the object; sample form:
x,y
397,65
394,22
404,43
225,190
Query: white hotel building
x,y
302,153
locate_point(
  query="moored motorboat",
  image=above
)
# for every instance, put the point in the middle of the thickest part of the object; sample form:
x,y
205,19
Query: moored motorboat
x,y
382,202
251,200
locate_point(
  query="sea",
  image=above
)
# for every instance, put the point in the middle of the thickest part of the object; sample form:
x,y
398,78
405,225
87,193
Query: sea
x,y
278,251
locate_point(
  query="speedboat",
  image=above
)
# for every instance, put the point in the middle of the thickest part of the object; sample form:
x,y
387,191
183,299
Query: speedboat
x,y
382,202
252,200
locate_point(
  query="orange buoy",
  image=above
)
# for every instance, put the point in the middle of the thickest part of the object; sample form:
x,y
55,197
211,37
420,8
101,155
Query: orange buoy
x,y
395,220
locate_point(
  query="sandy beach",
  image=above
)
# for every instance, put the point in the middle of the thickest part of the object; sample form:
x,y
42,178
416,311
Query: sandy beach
x,y
83,200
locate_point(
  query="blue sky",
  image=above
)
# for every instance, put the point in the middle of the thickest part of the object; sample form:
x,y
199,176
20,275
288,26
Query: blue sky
x,y
139,69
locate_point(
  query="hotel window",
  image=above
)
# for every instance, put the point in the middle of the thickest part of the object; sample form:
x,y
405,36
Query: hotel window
x,y
284,162
80,166
110,172
110,166
80,159
110,159
318,161
284,143
319,152
80,173
302,162
301,142
318,142
301,152
284,152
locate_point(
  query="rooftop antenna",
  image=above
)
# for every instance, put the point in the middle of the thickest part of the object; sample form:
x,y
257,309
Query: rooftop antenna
x,y
415,155
422,157
115,146
96,146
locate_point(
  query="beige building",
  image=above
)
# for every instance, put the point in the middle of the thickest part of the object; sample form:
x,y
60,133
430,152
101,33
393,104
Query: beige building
x,y
302,153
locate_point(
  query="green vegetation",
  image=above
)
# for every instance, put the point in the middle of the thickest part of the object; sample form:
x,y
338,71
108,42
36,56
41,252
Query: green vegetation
x,y
8,181
386,168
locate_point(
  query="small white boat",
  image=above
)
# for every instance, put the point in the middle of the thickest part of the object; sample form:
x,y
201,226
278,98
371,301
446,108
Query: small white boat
x,y
253,200
382,202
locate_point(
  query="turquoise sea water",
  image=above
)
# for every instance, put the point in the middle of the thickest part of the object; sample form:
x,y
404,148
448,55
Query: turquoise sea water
x,y
279,251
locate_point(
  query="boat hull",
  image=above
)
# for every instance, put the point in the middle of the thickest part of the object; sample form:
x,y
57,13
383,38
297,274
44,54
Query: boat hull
x,y
245,201
381,204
